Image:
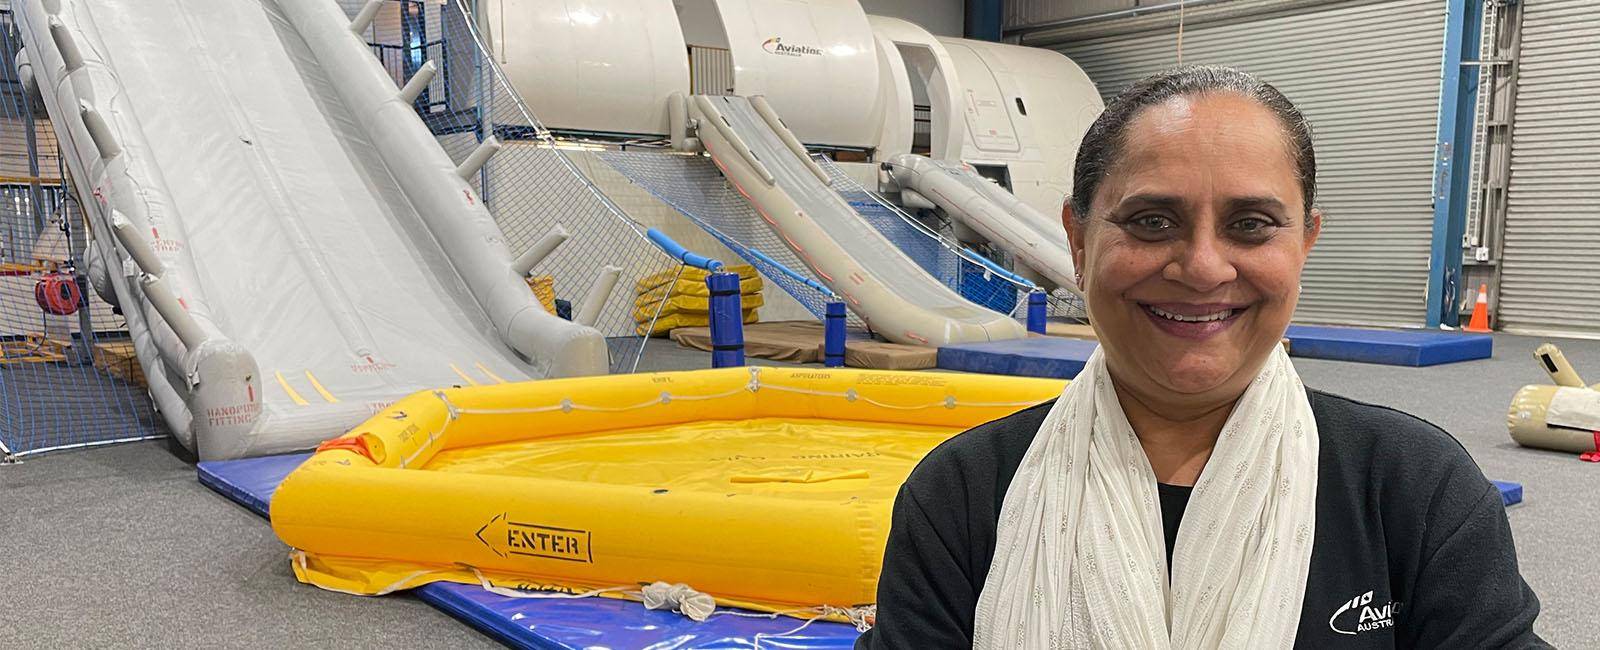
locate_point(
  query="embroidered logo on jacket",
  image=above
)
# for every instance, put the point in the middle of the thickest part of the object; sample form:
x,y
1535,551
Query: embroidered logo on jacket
x,y
1359,615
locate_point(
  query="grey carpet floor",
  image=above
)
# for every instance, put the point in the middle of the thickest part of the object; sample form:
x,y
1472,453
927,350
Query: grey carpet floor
x,y
121,547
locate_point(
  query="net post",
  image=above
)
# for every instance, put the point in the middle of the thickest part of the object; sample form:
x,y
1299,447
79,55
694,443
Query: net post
x,y
727,320
833,335
1036,311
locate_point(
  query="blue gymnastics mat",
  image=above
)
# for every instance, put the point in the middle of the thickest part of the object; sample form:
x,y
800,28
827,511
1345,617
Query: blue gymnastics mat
x,y
1038,356
1049,356
1389,347
549,624
1510,492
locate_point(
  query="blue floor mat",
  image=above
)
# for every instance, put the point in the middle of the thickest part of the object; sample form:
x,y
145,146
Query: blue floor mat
x,y
548,624
1040,356
1510,492
1389,347
1062,358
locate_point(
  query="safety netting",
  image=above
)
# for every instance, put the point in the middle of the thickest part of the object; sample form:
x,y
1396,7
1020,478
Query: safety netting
x,y
693,186
68,376
985,277
530,184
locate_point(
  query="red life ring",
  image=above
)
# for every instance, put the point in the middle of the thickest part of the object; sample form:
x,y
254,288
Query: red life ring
x,y
57,293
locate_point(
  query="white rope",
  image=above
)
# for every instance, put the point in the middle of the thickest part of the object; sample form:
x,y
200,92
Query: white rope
x,y
510,592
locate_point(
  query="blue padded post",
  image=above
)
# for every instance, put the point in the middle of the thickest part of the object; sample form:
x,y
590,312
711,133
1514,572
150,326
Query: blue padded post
x,y
727,320
1036,312
671,247
833,335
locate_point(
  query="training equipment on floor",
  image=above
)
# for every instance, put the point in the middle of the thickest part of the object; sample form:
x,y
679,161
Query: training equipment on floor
x,y
1039,356
1389,347
1055,356
767,488
290,240
1564,417
549,623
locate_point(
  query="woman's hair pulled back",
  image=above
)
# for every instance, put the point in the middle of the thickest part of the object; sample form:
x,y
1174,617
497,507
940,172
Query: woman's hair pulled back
x,y
1102,145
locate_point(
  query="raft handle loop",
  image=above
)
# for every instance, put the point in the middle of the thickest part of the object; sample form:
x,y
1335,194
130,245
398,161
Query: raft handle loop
x,y
355,444
449,408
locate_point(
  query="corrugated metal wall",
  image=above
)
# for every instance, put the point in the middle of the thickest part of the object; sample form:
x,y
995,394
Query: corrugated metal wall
x,y
1367,76
1550,273
710,70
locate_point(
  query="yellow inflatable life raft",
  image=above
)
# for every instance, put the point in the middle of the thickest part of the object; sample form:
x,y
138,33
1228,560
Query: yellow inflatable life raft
x,y
767,488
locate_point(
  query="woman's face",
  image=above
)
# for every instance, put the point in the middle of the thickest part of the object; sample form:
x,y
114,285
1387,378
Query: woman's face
x,y
1192,250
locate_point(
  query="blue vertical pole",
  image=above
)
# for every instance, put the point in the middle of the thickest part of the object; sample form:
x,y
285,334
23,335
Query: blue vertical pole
x,y
833,335
727,320
1036,311
1458,98
984,19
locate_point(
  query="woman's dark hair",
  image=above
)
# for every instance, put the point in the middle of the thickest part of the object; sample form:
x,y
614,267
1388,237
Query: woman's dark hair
x,y
1102,145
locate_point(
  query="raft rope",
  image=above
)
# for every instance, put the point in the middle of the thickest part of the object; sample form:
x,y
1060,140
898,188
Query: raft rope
x,y
755,385
696,605
566,405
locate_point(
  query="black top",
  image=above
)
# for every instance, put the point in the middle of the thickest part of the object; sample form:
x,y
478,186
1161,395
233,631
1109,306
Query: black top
x,y
1174,498
1412,546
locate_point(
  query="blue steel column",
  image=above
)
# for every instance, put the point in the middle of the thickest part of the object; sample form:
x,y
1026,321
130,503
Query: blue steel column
x,y
984,18
1458,98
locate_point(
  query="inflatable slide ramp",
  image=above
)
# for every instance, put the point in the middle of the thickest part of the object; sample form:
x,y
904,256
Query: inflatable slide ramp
x,y
292,249
887,289
1038,243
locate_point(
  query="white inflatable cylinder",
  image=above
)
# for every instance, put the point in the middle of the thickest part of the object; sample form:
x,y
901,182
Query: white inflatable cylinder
x,y
1556,365
29,84
364,18
595,300
1534,406
132,241
710,115
172,311
540,250
776,124
71,56
99,132
678,122
478,158
418,82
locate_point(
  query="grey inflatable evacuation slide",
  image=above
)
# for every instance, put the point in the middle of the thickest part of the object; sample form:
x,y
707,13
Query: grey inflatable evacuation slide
x,y
879,283
290,246
1036,242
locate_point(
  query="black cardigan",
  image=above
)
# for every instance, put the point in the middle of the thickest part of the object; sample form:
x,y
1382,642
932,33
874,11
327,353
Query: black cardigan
x,y
1412,546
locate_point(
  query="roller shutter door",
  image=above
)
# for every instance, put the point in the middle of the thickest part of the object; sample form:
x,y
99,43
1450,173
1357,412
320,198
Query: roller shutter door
x,y
1550,273
1367,76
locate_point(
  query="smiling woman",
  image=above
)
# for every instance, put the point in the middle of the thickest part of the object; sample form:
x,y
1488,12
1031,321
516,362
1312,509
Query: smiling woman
x,y
1187,491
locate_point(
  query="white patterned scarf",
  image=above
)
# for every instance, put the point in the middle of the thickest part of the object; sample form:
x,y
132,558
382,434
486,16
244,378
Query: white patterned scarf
x,y
1079,557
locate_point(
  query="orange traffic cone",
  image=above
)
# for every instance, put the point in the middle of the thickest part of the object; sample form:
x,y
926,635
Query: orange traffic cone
x,y
1480,311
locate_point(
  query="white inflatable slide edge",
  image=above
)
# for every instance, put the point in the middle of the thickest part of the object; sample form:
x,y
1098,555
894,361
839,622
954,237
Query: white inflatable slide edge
x,y
464,228
113,167
1035,241
887,289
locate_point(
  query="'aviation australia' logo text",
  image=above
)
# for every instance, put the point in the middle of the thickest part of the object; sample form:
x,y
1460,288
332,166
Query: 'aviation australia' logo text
x,y
775,45
1360,614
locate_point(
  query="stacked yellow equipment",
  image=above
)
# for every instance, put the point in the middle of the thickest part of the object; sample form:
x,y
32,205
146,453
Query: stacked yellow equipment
x,y
768,488
677,299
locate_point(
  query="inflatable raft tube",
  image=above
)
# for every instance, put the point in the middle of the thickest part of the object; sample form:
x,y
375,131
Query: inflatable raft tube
x,y
1563,417
767,488
1560,418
